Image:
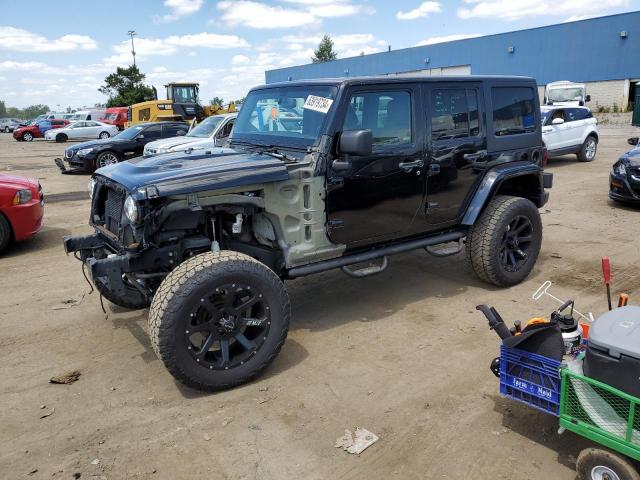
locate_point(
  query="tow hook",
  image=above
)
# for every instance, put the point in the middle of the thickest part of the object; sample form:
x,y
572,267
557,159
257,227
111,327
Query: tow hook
x,y
236,227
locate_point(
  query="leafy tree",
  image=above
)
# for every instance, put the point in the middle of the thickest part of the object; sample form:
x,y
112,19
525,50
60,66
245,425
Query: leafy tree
x,y
13,112
325,52
217,101
126,87
33,111
3,109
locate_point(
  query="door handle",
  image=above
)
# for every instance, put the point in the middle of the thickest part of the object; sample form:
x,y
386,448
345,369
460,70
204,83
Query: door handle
x,y
475,156
408,166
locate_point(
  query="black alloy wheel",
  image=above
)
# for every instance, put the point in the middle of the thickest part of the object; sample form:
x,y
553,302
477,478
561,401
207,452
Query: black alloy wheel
x,y
516,242
228,327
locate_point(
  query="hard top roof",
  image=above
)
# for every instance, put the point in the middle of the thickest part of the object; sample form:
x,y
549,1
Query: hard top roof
x,y
340,81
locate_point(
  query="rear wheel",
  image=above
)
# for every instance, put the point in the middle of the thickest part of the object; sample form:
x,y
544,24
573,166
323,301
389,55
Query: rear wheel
x,y
27,136
503,245
106,158
219,319
589,149
61,138
104,135
5,233
600,464
6,130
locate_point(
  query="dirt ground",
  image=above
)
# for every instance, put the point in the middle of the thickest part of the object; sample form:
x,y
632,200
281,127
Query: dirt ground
x,y
403,354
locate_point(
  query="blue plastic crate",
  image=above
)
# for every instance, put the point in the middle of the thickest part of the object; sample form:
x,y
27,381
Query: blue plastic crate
x,y
530,378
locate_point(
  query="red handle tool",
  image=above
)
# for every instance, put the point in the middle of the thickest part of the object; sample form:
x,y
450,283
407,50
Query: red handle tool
x,y
606,272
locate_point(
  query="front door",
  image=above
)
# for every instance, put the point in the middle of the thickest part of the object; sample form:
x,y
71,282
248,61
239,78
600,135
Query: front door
x,y
380,194
457,149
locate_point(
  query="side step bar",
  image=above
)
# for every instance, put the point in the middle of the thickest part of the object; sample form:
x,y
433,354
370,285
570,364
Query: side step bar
x,y
373,254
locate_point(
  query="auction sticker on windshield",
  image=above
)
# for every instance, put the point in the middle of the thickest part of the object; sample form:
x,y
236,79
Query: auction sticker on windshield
x,y
318,104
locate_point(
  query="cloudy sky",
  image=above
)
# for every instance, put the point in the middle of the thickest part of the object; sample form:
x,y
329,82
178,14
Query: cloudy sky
x,y
58,53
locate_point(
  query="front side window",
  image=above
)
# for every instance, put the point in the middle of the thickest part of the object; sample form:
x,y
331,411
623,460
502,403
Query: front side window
x,y
226,130
386,114
129,133
513,110
174,130
284,116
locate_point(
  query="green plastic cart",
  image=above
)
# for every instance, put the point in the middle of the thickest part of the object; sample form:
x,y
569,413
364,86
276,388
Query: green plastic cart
x,y
606,416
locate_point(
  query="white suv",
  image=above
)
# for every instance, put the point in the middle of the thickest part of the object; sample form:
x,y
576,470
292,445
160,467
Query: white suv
x,y
570,130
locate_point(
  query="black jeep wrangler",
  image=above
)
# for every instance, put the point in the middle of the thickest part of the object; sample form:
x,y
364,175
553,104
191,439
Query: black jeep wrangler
x,y
319,175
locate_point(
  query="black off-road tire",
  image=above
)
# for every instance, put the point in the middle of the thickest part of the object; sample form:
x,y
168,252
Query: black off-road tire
x,y
592,459
183,290
484,240
61,138
584,154
133,299
6,234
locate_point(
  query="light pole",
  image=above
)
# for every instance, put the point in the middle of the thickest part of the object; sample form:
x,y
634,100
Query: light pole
x,y
132,33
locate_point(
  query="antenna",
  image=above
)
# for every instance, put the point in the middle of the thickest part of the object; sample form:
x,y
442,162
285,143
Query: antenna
x,y
133,33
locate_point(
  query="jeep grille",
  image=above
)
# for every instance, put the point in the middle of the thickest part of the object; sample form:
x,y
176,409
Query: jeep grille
x,y
113,210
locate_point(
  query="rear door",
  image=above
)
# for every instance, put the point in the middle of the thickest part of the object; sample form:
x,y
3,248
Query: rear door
x,y
378,197
457,148
574,119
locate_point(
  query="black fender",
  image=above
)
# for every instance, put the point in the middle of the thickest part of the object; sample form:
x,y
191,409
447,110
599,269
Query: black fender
x,y
497,176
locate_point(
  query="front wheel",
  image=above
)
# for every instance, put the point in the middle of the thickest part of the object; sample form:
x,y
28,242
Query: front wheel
x,y
104,159
104,135
588,150
599,464
6,130
27,137
219,319
503,245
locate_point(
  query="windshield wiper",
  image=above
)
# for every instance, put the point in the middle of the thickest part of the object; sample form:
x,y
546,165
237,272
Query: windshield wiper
x,y
274,152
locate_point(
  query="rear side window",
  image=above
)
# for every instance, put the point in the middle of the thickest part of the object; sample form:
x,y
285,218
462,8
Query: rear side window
x,y
386,114
174,130
454,113
513,110
152,132
574,114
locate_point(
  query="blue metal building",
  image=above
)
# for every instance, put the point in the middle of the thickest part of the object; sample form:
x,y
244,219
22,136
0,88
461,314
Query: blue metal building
x,y
603,52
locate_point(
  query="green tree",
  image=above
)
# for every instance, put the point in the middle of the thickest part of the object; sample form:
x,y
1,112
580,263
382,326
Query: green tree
x,y
13,112
325,52
33,111
217,101
3,109
126,87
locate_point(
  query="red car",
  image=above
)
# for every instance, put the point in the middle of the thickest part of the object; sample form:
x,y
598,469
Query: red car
x,y
37,129
115,116
21,208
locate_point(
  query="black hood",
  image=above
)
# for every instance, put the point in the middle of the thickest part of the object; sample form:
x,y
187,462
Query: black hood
x,y
179,173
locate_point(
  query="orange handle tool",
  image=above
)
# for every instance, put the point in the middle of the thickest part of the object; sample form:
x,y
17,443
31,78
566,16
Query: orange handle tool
x,y
606,272
623,299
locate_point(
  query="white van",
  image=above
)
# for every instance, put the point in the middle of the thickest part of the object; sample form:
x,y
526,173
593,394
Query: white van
x,y
82,115
566,93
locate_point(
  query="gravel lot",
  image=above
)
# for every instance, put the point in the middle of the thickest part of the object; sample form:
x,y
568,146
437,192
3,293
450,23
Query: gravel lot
x,y
403,354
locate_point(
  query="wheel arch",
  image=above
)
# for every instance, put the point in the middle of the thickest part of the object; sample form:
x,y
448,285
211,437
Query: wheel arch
x,y
12,232
522,180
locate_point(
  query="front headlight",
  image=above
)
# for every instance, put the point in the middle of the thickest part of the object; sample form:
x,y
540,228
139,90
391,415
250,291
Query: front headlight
x,y
22,196
85,151
91,187
131,210
620,169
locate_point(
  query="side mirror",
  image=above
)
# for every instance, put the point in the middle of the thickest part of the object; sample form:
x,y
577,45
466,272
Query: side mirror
x,y
557,121
633,141
356,142
139,137
587,98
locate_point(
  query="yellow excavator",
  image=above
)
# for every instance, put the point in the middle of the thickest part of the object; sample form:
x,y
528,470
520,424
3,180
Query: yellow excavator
x,y
182,104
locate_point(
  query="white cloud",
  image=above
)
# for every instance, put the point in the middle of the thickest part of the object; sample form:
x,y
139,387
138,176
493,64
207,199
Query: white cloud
x,y
518,9
19,40
207,40
423,10
576,18
448,38
259,15
146,47
240,60
178,9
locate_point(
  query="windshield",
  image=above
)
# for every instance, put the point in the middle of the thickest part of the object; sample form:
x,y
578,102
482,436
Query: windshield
x,y
565,94
129,133
206,128
110,116
77,116
284,116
